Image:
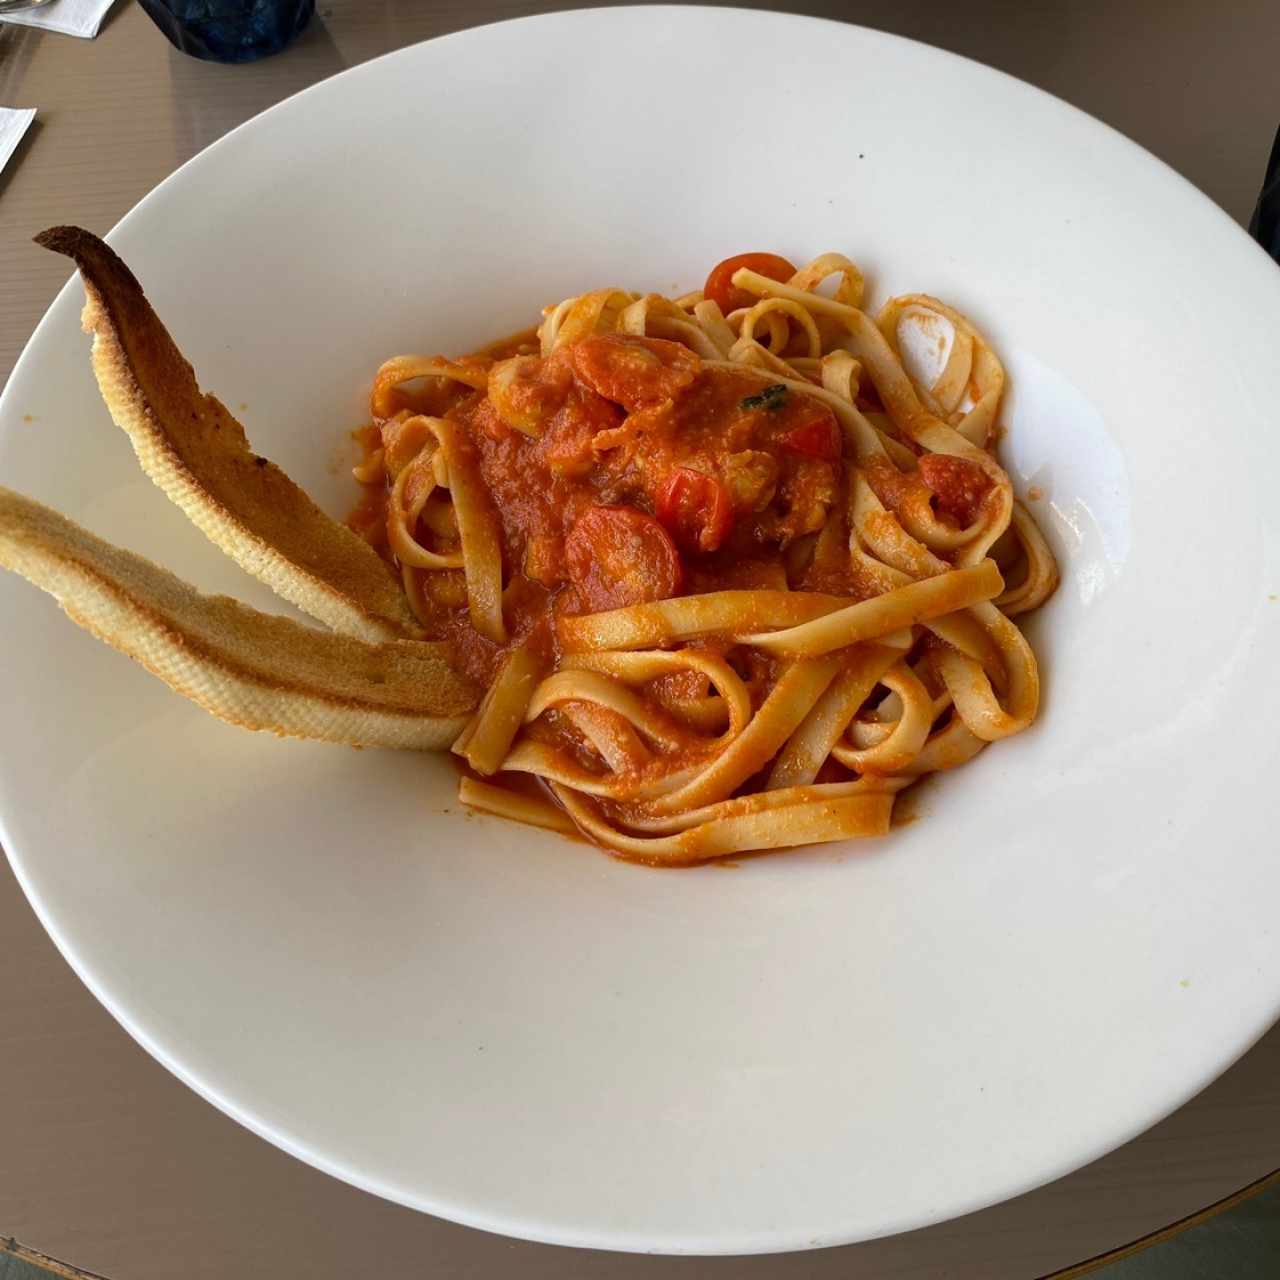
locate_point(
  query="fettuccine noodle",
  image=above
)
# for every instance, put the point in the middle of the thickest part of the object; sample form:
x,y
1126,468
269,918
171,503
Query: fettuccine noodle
x,y
733,569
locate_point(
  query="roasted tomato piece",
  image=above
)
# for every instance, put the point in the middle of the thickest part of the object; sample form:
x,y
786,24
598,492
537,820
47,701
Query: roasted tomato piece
x,y
721,289
696,508
818,438
634,372
618,556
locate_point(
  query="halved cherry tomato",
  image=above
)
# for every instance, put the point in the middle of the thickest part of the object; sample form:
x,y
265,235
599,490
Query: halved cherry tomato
x,y
721,289
618,556
632,371
818,438
696,508
960,485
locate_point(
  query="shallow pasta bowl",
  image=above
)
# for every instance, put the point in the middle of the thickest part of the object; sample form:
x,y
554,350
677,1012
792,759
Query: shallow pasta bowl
x,y
508,1029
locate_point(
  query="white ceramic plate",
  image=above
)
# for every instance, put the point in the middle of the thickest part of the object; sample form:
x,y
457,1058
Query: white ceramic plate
x,y
514,1031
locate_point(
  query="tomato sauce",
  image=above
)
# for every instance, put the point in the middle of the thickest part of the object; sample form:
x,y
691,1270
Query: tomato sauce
x,y
369,516
529,611
955,487
625,469
958,485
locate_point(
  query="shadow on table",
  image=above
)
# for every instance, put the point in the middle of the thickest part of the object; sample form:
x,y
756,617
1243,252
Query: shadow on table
x,y
1238,1237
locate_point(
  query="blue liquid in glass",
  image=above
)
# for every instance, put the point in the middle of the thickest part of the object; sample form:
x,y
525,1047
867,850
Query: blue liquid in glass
x,y
230,30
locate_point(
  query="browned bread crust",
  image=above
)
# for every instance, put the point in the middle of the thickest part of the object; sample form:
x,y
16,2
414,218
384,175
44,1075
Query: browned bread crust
x,y
194,450
246,667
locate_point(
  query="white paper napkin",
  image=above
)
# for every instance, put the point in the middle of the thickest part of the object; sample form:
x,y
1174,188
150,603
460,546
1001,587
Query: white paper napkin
x,y
70,17
13,124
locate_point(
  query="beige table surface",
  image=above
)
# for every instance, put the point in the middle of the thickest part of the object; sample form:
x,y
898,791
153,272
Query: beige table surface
x,y
105,1159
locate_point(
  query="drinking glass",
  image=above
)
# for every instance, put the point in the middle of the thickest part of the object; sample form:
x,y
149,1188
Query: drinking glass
x,y
230,30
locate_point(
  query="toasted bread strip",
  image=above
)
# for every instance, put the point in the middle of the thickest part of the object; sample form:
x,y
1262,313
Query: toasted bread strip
x,y
246,667
192,447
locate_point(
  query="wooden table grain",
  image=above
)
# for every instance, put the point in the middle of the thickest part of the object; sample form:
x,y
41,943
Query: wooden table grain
x,y
105,1159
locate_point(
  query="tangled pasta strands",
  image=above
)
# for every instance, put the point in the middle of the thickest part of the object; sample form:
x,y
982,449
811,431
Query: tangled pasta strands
x,y
646,733
445,462
970,373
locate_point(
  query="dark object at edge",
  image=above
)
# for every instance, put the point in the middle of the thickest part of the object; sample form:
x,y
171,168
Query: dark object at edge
x,y
1264,226
230,30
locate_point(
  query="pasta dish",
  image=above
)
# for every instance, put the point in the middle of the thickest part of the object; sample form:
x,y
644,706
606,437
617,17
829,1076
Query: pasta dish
x,y
732,569
693,577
